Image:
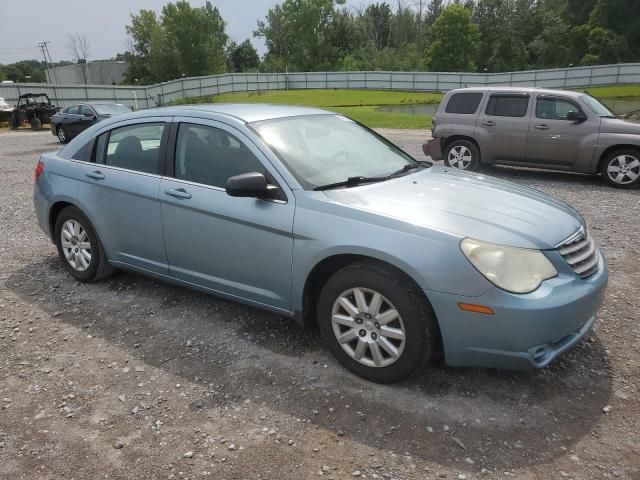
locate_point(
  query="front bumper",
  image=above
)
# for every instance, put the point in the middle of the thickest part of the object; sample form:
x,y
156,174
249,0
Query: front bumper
x,y
527,331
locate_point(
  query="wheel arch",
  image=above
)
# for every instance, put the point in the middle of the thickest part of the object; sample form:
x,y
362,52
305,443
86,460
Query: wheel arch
x,y
609,150
325,268
54,211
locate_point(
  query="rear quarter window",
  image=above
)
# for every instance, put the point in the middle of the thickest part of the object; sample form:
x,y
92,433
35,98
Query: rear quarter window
x,y
464,103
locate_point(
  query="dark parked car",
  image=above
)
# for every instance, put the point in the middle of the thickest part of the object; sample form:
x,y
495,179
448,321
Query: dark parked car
x,y
72,120
35,108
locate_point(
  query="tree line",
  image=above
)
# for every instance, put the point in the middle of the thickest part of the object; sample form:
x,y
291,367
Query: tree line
x,y
433,35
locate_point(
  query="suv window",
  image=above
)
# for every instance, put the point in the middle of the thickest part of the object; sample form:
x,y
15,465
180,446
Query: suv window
x,y
209,155
72,110
464,103
134,147
554,108
507,105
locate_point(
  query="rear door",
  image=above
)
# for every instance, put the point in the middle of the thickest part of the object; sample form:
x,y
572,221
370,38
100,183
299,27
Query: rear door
x,y
119,193
553,139
502,127
241,247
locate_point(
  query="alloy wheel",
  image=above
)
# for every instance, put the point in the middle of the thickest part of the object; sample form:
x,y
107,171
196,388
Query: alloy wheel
x,y
62,135
460,157
76,245
368,327
624,169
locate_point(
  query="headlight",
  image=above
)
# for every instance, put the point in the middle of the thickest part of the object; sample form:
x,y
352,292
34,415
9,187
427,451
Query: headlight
x,y
517,270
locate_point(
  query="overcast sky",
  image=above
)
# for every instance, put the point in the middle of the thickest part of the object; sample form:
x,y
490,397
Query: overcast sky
x,y
28,22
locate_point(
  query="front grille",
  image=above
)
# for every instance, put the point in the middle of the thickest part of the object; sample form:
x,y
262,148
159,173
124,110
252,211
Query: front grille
x,y
580,253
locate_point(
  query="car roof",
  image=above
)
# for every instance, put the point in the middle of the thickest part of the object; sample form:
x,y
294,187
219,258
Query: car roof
x,y
505,89
246,112
32,95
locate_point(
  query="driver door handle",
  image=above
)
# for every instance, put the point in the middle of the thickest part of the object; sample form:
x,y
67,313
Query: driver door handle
x,y
97,175
489,123
542,126
178,193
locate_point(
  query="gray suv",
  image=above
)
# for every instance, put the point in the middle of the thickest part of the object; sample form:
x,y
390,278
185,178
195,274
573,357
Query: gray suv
x,y
552,129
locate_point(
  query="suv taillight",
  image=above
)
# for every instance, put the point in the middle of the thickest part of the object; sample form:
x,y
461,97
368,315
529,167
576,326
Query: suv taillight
x,y
39,169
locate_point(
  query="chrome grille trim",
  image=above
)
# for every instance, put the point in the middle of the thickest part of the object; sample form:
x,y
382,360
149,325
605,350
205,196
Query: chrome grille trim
x,y
580,253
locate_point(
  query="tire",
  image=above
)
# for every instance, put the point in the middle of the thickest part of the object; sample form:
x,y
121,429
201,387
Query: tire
x,y
36,124
396,292
62,134
86,270
621,168
462,155
13,122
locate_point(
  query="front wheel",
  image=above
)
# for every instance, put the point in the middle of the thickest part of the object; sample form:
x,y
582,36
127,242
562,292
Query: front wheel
x,y
36,124
621,168
462,154
79,247
376,322
62,134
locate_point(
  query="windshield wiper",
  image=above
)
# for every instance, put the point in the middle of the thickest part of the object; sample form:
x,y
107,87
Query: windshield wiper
x,y
351,182
408,167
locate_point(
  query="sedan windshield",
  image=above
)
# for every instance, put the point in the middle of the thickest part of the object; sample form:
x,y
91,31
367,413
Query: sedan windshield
x,y
597,107
326,149
110,108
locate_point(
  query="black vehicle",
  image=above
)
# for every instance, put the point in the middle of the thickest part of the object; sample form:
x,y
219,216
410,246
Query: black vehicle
x,y
72,120
34,108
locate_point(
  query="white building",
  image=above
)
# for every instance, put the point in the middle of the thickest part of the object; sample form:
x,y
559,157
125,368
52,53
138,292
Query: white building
x,y
97,73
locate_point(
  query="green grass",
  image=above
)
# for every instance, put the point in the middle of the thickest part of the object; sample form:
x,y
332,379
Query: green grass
x,y
618,91
361,105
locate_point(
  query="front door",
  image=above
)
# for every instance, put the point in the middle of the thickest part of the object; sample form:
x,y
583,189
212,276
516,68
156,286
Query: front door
x,y
553,139
502,127
119,193
241,247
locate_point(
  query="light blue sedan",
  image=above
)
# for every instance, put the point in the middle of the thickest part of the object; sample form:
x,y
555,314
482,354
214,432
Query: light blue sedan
x,y
311,215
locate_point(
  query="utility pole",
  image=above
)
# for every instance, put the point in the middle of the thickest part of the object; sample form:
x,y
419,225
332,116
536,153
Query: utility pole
x,y
44,47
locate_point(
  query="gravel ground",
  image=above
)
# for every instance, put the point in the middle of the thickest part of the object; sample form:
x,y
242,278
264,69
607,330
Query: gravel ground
x,y
130,378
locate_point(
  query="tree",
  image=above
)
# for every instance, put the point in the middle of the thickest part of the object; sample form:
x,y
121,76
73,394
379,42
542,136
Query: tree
x,y
454,41
377,24
243,57
78,46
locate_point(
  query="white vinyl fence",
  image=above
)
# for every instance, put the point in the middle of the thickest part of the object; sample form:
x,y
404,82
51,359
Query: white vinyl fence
x,y
168,92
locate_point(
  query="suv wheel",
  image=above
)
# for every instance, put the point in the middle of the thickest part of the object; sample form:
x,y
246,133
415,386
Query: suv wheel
x,y
375,322
62,135
79,247
462,154
621,168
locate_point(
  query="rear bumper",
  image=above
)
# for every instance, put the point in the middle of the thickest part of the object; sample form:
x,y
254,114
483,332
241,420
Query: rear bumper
x,y
433,149
527,331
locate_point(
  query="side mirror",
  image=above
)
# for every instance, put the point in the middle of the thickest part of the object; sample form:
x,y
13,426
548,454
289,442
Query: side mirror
x,y
251,184
88,114
577,117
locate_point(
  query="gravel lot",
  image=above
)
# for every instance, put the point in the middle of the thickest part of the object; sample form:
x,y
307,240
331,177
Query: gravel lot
x,y
130,378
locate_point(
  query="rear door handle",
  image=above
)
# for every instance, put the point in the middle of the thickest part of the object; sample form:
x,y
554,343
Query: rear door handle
x,y
489,123
97,175
542,126
178,193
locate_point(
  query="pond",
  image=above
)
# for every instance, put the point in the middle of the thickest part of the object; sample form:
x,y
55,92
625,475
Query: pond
x,y
619,106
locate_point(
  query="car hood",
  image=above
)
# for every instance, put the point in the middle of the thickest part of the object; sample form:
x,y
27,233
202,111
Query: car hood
x,y
619,125
468,205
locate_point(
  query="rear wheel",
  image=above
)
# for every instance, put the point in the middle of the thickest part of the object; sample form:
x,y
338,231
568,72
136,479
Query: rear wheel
x,y
36,124
376,322
79,247
13,122
621,168
62,134
462,154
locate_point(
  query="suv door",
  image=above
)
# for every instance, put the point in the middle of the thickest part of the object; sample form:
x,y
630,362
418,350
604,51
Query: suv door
x,y
119,193
503,126
552,138
241,247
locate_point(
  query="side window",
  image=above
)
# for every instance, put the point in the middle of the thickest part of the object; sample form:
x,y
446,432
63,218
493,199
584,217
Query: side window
x,y
554,108
209,155
507,105
464,103
85,109
73,110
134,147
